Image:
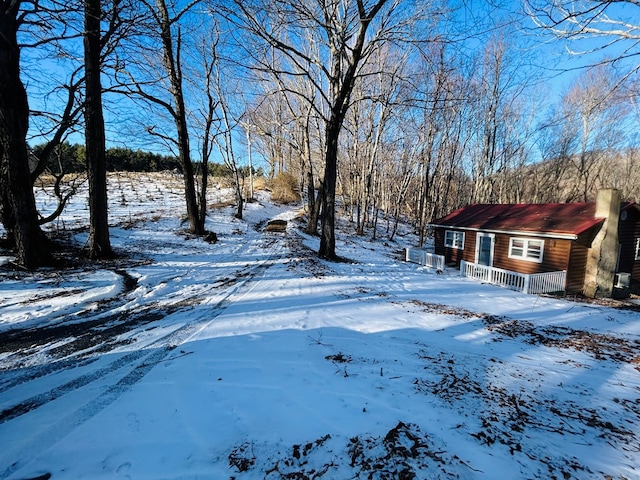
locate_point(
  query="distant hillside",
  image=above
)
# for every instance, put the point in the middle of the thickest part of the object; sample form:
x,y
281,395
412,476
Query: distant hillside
x,y
575,178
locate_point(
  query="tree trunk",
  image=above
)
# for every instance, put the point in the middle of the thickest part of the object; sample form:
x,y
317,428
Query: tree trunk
x,y
202,214
314,209
249,159
313,206
238,189
187,170
19,214
99,242
327,236
172,65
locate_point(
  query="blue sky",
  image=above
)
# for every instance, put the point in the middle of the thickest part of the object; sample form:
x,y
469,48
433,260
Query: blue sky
x,y
548,56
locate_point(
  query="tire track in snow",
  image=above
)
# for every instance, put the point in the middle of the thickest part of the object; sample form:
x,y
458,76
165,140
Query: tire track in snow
x,y
95,333
84,338
174,338
140,363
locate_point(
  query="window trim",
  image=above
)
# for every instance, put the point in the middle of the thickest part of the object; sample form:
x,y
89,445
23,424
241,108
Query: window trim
x,y
637,255
525,249
450,237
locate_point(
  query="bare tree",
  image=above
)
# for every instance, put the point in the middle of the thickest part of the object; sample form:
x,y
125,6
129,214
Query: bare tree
x,y
595,114
267,116
137,75
99,242
556,145
433,117
75,91
17,202
327,42
58,125
63,188
583,141
624,173
374,100
593,26
401,172
225,141
434,127
209,56
286,123
56,99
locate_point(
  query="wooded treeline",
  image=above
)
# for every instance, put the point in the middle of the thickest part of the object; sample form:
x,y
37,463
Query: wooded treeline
x,y
71,158
387,109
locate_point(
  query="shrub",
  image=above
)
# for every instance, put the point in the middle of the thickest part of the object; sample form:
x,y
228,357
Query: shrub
x,y
284,188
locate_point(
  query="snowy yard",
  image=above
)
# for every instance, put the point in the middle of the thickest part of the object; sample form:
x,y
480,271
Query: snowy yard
x,y
252,359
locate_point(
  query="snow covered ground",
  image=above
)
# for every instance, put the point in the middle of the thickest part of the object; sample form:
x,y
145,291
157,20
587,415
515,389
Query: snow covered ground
x,y
251,359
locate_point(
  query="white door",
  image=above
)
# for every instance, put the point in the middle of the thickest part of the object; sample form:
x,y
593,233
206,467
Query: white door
x,y
484,249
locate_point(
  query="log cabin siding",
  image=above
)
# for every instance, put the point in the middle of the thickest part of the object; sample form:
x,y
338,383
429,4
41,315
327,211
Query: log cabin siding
x,y
555,255
470,247
629,232
558,254
452,256
577,267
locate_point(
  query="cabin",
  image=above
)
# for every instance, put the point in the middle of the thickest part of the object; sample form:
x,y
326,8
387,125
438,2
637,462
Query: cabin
x,y
589,248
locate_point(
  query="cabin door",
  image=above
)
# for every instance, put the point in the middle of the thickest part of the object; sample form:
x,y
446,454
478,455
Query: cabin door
x,y
484,249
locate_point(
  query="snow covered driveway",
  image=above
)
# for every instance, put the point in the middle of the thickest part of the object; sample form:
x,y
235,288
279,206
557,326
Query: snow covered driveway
x,y
251,359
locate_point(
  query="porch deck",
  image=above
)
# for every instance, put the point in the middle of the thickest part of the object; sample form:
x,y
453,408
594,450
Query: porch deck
x,y
423,257
549,282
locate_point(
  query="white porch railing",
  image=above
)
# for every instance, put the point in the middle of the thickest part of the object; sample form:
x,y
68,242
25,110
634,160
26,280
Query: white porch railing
x,y
422,257
527,283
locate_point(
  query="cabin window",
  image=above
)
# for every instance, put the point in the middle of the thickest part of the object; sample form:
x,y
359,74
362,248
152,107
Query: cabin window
x,y
454,239
526,249
637,257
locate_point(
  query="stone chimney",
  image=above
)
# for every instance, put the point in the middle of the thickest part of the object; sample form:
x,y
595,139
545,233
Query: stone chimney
x,y
603,255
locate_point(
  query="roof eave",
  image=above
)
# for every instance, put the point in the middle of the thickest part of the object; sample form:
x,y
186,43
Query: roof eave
x,y
560,236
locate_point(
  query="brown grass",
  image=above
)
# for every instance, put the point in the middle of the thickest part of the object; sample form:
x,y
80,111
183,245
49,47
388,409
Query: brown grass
x,y
284,188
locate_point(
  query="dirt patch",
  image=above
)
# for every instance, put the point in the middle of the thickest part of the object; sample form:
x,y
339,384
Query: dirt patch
x,y
339,358
600,346
242,458
509,415
445,309
130,283
621,304
403,453
87,337
306,260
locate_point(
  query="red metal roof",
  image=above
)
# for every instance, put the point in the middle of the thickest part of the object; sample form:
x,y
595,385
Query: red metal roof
x,y
554,218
